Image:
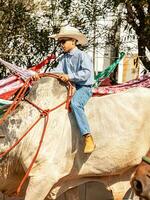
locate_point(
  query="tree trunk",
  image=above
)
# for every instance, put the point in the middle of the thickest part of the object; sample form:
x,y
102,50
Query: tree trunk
x,y
142,54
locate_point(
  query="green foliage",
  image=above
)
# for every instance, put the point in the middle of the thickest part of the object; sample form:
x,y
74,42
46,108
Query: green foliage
x,y
21,39
137,17
25,26
65,5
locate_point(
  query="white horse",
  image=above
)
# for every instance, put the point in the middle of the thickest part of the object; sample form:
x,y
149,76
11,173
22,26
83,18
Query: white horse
x,y
120,125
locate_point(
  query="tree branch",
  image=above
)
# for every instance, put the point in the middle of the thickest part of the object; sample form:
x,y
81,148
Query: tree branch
x,y
131,17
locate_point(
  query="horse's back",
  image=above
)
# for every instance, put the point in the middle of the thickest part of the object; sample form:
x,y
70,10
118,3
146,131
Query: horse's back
x,y
120,125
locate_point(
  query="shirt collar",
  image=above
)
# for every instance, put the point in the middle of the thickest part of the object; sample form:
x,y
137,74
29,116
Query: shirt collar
x,y
73,51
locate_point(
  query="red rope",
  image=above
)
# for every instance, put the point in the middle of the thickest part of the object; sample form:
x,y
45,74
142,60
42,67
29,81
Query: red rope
x,y
44,113
36,154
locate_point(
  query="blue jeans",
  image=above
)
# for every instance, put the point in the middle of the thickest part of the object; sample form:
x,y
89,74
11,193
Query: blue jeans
x,y
80,98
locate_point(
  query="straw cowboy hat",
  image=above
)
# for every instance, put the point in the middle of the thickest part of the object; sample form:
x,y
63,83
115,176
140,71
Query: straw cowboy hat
x,y
70,32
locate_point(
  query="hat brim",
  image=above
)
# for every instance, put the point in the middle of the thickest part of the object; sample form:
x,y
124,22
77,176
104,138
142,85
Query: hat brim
x,y
79,37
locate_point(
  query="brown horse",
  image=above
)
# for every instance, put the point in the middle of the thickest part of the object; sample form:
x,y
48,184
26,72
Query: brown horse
x,y
140,181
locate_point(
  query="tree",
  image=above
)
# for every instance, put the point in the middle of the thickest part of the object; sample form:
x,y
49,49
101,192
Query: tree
x,y
137,15
25,26
20,38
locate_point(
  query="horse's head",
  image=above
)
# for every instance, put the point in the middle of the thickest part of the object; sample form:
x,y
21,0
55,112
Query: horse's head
x,y
140,180
46,95
48,89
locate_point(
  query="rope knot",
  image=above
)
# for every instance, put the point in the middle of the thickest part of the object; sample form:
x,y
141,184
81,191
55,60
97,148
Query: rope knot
x,y
44,113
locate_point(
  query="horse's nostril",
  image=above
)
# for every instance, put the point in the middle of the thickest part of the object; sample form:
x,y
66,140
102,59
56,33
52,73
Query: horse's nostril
x,y
137,186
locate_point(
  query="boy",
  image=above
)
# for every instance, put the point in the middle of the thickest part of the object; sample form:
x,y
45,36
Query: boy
x,y
76,66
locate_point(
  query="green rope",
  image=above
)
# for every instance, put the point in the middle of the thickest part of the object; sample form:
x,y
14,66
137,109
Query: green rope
x,y
108,70
4,104
146,159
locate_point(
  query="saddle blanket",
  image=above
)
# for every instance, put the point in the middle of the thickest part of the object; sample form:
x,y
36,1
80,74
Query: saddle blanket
x,y
143,81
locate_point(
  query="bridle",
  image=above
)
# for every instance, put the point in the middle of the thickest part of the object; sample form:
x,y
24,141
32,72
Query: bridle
x,y
146,159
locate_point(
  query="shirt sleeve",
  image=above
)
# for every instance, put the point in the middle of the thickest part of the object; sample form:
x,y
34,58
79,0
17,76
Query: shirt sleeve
x,y
85,70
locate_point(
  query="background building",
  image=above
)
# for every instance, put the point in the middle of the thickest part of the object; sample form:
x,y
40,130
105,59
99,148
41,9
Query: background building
x,y
130,67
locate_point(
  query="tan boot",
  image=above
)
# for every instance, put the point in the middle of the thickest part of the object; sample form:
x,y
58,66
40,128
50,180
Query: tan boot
x,y
89,144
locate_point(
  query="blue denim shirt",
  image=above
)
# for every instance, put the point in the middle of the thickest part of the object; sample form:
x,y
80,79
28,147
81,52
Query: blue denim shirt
x,y
78,65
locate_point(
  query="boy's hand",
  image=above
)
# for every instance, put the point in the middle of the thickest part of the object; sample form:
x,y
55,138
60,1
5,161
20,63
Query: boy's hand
x,y
64,77
36,77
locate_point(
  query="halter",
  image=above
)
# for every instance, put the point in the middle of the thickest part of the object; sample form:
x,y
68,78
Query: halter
x,y
146,159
